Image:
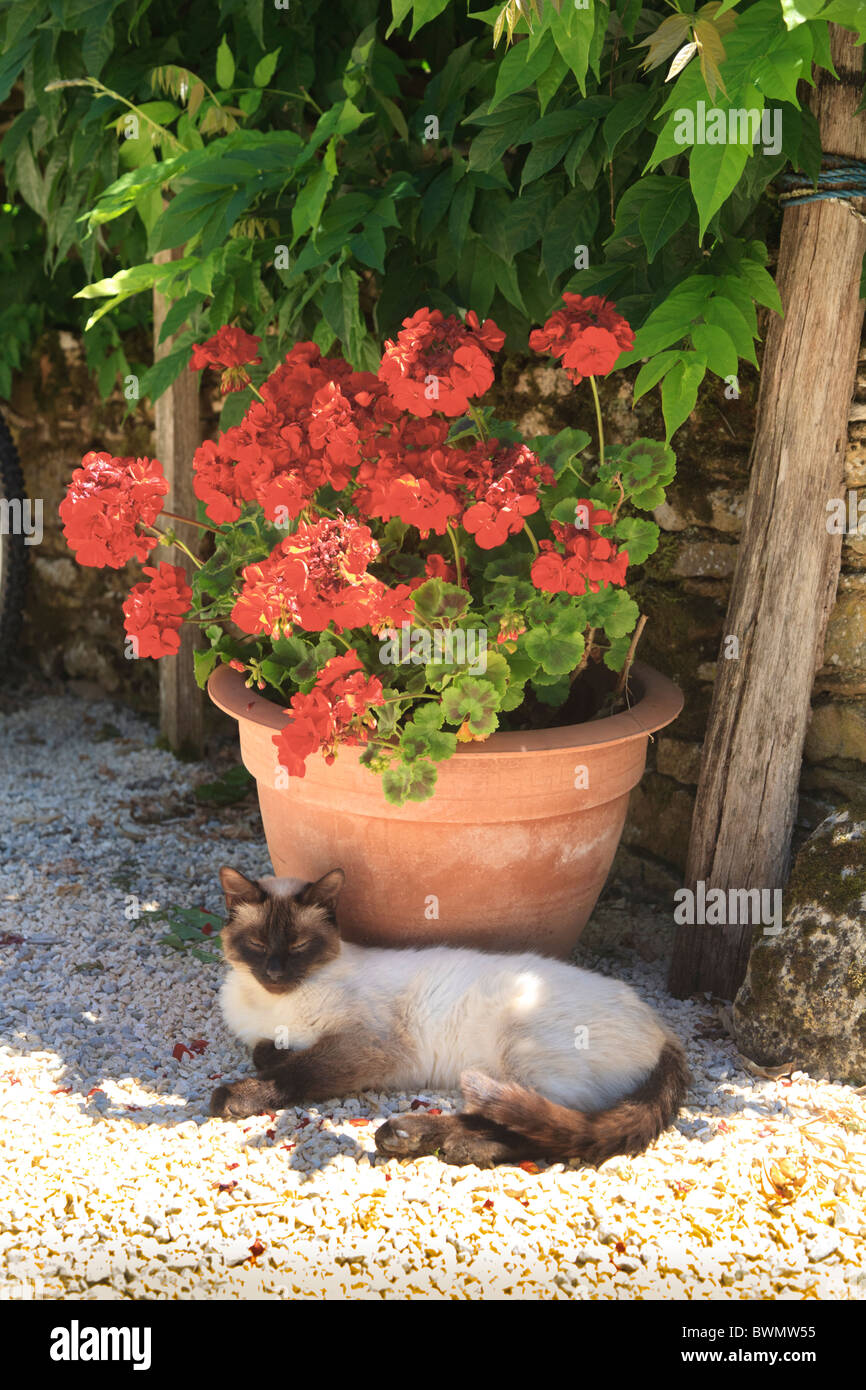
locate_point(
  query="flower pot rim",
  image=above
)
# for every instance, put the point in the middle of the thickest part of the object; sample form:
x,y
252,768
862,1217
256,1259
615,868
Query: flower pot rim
x,y
659,704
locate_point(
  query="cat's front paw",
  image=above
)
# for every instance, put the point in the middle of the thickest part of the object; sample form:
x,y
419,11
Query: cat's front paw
x,y
240,1099
267,1055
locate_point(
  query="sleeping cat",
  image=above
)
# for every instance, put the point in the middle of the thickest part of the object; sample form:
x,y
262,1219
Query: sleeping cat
x,y
552,1061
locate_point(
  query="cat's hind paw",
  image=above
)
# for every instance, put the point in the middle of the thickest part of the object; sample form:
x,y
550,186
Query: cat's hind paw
x,y
409,1136
240,1099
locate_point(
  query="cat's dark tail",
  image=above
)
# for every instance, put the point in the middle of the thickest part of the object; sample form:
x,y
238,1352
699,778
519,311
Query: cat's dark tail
x,y
628,1127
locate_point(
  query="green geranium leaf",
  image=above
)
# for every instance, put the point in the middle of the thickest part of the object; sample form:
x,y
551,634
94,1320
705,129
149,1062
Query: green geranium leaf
x,y
474,703
615,656
616,612
558,450
437,602
413,781
637,536
554,694
556,652
417,742
204,662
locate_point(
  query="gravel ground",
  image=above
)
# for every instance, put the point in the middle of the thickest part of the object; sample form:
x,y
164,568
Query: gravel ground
x,y
117,1185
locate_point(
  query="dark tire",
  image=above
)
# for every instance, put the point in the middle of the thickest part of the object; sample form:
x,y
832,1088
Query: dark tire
x,y
13,551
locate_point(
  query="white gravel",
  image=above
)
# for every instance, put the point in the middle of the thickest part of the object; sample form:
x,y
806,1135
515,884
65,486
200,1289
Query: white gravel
x,y
115,1184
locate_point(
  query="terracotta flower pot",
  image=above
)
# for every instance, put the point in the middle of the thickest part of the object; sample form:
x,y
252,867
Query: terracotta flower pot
x,y
510,853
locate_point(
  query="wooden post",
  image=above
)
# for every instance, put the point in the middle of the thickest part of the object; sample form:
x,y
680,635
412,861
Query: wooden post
x,y
788,563
178,435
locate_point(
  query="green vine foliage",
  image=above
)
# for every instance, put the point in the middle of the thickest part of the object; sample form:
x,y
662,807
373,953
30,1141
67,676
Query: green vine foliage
x,y
330,167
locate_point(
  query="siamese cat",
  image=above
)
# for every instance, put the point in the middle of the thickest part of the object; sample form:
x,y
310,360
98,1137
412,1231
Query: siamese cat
x,y
552,1061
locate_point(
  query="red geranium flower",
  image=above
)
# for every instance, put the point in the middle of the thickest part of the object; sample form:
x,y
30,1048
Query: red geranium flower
x,y
154,612
588,335
316,420
415,477
439,363
506,492
231,349
336,711
586,559
106,500
215,481
316,577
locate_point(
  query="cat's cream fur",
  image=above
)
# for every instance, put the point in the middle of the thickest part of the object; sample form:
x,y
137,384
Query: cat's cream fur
x,y
514,1017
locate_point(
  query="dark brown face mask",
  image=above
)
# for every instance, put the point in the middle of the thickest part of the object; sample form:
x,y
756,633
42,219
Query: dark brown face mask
x,y
280,939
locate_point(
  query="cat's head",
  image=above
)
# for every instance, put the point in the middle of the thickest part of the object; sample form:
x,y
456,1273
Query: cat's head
x,y
280,929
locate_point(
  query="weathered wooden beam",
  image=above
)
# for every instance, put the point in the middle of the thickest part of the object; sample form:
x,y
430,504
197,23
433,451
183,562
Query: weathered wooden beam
x,y
788,562
178,435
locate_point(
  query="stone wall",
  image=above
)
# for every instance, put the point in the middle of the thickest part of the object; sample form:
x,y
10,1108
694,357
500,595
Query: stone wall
x,y
74,626
684,591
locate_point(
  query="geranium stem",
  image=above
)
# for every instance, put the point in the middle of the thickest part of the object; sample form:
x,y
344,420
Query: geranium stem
x,y
188,521
458,562
164,540
599,420
479,423
528,531
621,684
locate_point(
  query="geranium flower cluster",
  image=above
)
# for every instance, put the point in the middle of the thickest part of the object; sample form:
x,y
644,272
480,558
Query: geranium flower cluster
x,y
579,560
106,502
308,429
230,349
154,611
440,364
336,711
588,335
316,577
506,492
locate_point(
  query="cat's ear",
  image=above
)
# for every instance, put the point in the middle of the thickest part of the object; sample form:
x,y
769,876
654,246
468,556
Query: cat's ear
x,y
239,889
325,891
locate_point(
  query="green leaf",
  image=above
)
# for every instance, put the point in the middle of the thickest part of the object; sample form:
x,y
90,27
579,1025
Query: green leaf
x,y
472,702
663,213
556,652
716,345
714,172
307,211
614,657
722,312
615,612
760,283
203,664
573,223
520,69
419,742
265,68
671,320
633,105
680,393
638,536
796,12
436,602
573,31
652,372
414,781
225,64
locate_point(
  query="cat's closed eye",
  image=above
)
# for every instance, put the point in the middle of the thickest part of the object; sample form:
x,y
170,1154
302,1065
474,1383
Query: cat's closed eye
x,y
299,945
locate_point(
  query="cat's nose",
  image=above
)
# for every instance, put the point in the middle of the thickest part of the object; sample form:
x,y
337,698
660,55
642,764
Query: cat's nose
x,y
273,969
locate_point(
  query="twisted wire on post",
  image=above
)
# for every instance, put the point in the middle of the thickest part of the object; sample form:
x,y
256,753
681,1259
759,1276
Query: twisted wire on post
x,y
841,180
